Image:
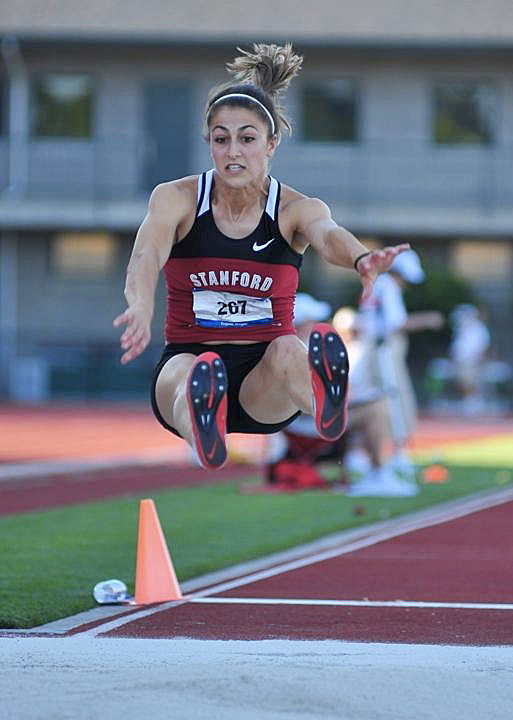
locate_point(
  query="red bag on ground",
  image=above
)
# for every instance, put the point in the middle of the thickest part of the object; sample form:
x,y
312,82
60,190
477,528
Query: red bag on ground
x,y
297,475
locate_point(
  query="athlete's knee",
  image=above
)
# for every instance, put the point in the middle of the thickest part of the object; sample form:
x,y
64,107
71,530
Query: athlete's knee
x,y
284,354
172,379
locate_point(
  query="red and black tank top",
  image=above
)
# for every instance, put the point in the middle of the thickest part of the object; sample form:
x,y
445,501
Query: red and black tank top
x,y
221,288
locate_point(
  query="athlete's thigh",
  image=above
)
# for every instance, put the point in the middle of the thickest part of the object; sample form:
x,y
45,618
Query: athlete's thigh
x,y
172,377
265,393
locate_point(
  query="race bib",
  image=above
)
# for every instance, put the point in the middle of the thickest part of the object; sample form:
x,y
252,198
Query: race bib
x,y
217,308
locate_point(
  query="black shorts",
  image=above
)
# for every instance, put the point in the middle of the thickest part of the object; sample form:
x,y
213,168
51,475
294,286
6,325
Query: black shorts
x,y
239,361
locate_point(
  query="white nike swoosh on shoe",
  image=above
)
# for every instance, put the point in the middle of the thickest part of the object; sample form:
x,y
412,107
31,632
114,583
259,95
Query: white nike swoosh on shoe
x,y
257,247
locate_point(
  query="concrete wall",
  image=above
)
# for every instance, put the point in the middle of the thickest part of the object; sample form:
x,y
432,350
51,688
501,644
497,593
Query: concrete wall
x,y
393,169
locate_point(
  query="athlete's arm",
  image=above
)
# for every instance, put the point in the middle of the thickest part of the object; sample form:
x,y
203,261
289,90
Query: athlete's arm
x,y
340,247
167,207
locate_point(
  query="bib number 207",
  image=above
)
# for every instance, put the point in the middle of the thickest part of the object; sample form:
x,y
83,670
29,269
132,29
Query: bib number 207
x,y
234,307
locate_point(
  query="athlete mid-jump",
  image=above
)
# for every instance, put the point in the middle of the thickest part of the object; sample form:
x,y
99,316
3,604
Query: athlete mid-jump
x,y
231,242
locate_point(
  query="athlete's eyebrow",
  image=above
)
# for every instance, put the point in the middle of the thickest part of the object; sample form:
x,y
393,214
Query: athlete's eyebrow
x,y
242,127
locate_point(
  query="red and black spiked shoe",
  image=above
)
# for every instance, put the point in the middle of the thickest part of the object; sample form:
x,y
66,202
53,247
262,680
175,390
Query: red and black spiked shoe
x,y
329,365
206,396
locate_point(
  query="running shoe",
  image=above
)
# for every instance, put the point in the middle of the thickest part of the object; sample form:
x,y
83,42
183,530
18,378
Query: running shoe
x,y
382,482
329,367
206,396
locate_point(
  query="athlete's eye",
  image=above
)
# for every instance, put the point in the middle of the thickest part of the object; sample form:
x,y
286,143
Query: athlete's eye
x,y
219,140
248,138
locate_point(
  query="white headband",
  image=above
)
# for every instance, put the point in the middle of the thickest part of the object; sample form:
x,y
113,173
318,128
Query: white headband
x,y
247,97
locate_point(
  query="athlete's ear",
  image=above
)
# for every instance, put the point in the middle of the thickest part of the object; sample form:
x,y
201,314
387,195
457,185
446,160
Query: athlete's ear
x,y
272,144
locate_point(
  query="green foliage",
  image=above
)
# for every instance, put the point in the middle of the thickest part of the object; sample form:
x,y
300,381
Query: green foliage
x,y
442,290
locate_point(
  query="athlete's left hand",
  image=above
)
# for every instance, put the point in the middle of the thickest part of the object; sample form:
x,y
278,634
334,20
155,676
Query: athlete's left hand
x,y
376,262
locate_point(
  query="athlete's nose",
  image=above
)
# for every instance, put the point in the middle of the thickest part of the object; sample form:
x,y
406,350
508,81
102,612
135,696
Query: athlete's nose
x,y
233,149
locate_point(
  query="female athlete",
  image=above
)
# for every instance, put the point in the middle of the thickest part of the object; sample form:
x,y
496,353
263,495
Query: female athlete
x,y
231,242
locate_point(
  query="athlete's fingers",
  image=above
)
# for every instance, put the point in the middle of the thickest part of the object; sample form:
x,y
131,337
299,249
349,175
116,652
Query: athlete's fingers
x,y
392,251
128,336
401,248
135,348
139,334
380,260
367,283
372,263
127,356
120,319
132,331
128,318
131,354
136,337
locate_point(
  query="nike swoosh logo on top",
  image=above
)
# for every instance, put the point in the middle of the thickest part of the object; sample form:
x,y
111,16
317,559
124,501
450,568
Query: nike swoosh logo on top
x,y
211,454
257,247
329,423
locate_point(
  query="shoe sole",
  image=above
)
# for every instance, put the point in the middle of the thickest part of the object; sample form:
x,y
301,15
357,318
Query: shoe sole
x,y
206,397
329,365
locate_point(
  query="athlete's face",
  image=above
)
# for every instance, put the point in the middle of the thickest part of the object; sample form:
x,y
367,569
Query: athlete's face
x,y
240,145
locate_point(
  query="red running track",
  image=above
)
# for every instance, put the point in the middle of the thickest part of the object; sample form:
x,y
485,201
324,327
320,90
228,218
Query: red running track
x,y
29,494
466,560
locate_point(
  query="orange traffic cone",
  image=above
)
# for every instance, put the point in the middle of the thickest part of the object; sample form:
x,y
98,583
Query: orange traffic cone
x,y
435,474
155,579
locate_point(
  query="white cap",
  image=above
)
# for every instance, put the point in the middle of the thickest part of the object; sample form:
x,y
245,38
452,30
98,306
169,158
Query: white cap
x,y
308,309
407,265
463,312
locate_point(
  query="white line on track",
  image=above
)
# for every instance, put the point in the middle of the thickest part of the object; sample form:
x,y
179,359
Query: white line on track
x,y
353,603
401,526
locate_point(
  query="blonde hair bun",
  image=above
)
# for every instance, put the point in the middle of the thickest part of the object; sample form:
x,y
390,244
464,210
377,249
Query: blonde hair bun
x,y
270,67
262,73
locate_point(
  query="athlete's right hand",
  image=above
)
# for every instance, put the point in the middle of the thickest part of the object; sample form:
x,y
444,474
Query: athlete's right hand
x,y
137,333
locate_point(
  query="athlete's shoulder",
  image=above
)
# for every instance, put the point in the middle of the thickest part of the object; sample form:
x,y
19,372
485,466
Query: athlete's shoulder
x,y
174,200
293,202
182,190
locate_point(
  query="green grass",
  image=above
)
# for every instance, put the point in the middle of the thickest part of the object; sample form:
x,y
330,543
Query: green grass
x,y
50,561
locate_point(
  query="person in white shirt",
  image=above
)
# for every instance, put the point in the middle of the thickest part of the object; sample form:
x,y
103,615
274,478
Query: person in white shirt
x,y
468,351
367,433
386,324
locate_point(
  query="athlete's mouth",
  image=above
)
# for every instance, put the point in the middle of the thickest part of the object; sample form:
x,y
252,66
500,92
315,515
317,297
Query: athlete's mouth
x,y
233,167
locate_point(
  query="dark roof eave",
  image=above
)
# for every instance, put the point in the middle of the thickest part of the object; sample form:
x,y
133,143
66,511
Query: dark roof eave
x,y
368,44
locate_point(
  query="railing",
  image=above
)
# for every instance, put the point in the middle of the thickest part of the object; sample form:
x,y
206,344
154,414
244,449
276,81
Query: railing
x,y
364,175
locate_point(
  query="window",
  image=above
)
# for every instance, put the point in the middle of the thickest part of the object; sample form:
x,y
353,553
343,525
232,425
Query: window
x,y
62,106
328,111
84,254
465,112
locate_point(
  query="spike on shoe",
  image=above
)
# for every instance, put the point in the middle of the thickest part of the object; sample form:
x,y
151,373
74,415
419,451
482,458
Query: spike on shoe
x,y
329,366
206,396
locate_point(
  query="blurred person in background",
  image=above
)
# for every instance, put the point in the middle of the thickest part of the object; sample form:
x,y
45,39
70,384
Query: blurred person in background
x,y
230,242
368,429
298,449
386,325
294,454
468,351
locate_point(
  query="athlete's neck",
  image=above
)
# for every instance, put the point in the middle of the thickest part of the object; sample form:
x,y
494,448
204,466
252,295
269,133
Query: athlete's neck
x,y
236,203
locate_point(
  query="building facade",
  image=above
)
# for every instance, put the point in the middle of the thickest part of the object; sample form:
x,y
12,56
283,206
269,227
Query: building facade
x,y
406,134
